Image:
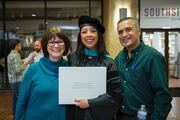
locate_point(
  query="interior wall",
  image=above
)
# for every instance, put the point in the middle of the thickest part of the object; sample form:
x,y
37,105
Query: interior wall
x,y
110,19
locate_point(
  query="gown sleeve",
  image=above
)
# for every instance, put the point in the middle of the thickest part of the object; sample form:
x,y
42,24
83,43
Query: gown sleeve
x,y
106,106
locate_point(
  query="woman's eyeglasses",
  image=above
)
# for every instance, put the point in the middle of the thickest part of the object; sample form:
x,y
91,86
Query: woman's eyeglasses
x,y
52,43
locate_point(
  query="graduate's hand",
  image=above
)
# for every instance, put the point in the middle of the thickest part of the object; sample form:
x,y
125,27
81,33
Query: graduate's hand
x,y
82,103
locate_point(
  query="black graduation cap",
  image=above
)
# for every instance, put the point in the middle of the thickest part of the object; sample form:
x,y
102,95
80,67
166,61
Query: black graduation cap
x,y
87,20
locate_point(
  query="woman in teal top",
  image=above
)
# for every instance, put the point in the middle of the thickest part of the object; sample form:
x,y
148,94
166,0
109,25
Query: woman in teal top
x,y
38,97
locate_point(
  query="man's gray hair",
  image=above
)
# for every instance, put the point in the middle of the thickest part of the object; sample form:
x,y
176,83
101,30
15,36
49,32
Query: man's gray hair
x,y
136,24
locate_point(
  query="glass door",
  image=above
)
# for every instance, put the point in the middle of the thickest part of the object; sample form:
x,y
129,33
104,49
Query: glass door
x,y
156,40
174,54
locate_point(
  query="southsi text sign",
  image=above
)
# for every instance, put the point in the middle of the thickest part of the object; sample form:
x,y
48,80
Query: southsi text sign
x,y
159,14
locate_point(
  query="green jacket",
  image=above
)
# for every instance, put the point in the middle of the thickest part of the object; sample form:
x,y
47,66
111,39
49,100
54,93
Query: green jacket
x,y
144,81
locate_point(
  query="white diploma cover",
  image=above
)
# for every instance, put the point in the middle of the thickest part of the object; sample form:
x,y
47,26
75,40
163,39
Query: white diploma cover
x,y
81,82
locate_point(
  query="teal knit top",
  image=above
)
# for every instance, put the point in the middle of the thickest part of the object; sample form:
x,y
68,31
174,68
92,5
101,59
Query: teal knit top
x,y
38,97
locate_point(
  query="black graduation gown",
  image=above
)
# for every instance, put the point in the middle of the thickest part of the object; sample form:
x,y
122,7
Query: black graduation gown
x,y
105,106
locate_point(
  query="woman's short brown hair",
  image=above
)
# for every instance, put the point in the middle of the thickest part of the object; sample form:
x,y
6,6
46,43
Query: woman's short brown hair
x,y
48,35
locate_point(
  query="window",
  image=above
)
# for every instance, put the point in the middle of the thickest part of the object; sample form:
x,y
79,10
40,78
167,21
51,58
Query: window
x,y
26,20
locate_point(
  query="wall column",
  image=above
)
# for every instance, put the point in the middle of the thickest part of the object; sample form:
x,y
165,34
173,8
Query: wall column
x,y
110,19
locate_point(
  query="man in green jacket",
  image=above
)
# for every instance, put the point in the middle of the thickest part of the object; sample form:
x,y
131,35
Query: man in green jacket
x,y
143,75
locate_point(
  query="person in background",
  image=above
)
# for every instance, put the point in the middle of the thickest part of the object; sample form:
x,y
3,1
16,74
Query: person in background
x,y
1,69
36,54
15,70
38,97
143,75
91,51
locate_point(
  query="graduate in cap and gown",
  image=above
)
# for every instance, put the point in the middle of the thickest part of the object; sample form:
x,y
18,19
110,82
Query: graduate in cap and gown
x,y
91,51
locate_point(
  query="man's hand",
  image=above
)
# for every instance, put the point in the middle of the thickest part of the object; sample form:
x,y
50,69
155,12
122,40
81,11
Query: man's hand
x,y
34,54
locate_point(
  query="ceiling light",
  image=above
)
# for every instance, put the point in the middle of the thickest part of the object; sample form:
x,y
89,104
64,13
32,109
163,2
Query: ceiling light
x,y
17,28
33,15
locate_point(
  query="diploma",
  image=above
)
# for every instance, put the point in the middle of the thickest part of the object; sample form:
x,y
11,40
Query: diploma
x,y
80,83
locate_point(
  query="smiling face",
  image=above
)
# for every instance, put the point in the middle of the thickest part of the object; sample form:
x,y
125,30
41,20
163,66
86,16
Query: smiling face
x,y
129,34
89,37
37,46
55,48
